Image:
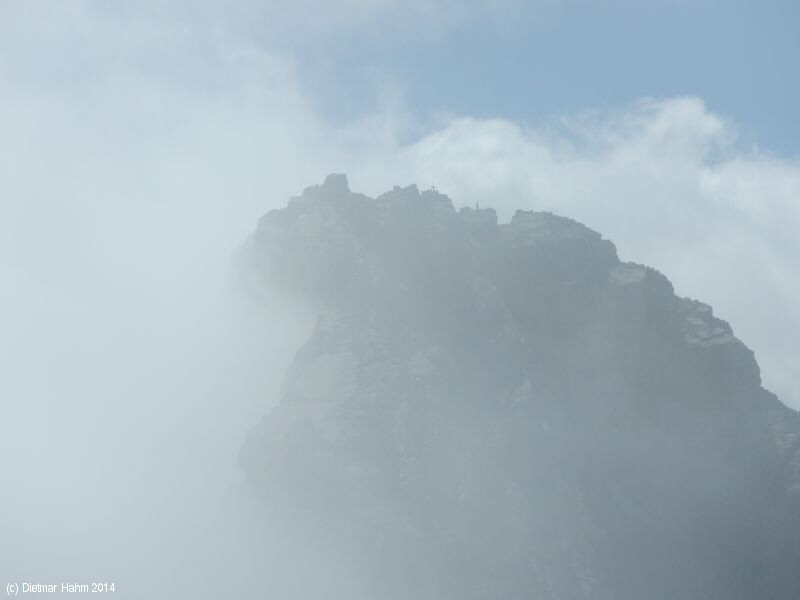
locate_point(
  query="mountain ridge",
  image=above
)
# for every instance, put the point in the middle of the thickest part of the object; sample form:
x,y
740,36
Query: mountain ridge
x,y
507,410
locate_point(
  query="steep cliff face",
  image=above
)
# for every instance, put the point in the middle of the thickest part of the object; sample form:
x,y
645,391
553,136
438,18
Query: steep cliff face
x,y
495,410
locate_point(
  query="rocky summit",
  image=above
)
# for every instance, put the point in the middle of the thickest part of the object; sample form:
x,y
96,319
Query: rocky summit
x,y
492,410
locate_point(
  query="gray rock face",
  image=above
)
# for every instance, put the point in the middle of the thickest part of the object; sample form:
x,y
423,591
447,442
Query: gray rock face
x,y
495,410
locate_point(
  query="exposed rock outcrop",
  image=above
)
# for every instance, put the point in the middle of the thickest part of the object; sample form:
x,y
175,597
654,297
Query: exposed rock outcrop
x,y
494,410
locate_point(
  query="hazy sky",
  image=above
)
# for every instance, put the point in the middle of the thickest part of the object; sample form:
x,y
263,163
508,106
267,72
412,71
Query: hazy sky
x,y
140,142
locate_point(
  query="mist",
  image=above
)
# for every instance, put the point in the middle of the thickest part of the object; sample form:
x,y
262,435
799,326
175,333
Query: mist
x,y
170,120
138,150
132,369
132,365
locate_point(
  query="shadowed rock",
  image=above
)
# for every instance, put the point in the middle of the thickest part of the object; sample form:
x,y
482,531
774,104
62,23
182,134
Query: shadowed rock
x,y
506,410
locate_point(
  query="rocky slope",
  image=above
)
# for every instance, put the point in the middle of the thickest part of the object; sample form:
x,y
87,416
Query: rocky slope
x,y
492,410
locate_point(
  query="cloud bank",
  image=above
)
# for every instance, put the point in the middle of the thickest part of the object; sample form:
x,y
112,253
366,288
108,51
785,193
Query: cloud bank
x,y
663,179
138,148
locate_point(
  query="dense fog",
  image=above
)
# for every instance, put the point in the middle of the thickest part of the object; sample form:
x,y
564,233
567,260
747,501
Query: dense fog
x,y
129,383
139,147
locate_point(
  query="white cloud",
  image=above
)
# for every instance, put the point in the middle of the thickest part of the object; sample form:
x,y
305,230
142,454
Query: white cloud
x,y
268,24
117,130
665,181
137,151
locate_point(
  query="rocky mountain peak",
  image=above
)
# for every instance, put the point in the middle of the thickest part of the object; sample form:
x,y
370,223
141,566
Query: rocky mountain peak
x,y
502,410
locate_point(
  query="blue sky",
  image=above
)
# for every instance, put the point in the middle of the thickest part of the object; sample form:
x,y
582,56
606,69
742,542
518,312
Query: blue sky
x,y
741,57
